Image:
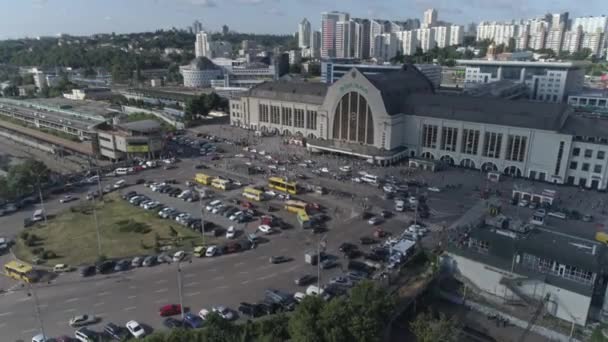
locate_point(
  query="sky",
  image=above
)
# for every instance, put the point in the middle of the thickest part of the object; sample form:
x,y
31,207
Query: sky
x,y
32,18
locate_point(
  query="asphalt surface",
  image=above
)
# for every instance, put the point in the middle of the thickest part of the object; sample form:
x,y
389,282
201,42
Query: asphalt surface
x,y
230,279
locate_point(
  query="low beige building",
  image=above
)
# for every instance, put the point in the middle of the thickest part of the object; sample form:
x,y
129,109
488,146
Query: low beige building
x,y
134,139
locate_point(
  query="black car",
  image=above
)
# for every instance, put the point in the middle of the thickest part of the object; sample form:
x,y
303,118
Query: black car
x,y
268,307
386,213
175,192
366,240
113,331
334,290
166,189
106,266
88,271
359,266
128,195
122,265
373,257
305,280
279,259
140,181
352,253
172,323
346,246
250,310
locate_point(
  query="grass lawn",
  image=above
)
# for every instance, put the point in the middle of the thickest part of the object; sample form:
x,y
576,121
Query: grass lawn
x,y
72,235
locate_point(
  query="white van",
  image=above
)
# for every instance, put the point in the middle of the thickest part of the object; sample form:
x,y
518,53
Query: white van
x,y
38,215
371,179
122,171
213,204
313,290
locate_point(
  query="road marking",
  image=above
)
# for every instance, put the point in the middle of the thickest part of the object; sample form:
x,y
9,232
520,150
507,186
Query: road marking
x,y
5,314
132,287
160,301
160,281
239,263
189,275
103,314
161,290
3,324
24,299
268,276
194,283
244,272
218,278
130,308
43,306
245,282
262,257
69,310
192,294
72,300
213,270
283,250
99,304
131,297
223,287
103,294
28,331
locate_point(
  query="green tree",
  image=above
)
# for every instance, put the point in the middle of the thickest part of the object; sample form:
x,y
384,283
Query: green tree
x,y
304,324
23,178
218,329
11,91
273,329
428,328
334,321
295,68
372,307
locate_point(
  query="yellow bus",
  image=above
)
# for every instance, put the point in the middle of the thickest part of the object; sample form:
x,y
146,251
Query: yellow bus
x,y
20,271
295,207
203,179
601,237
303,219
253,194
283,185
222,184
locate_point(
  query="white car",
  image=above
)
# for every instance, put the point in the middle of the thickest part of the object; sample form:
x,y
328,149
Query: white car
x,y
262,153
135,329
299,296
81,320
270,193
374,220
235,215
265,229
272,167
217,209
345,168
67,198
434,189
212,205
179,256
356,179
313,290
240,155
230,233
324,170
211,251
203,314
151,205
224,312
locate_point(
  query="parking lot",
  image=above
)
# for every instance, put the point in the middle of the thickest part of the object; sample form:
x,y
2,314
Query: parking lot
x,y
232,278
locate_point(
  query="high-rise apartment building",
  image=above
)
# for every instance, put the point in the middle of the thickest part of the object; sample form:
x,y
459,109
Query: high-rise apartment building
x,y
555,38
345,39
430,18
201,46
361,38
593,42
408,42
537,40
328,32
559,20
304,34
591,24
426,38
456,35
573,40
377,27
197,27
442,36
386,46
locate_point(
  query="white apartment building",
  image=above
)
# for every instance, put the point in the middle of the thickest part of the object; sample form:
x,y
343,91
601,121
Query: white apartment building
x,y
592,24
304,34
547,82
523,37
537,40
442,36
408,41
426,38
361,38
430,18
500,33
201,46
594,42
573,40
377,27
555,39
386,46
456,35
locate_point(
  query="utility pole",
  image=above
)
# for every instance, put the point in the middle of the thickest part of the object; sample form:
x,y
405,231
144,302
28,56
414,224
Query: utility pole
x,y
179,288
46,223
37,309
319,260
202,219
95,210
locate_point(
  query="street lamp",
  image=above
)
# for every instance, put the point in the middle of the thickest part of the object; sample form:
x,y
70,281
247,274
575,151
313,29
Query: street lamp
x,y
322,241
32,292
179,288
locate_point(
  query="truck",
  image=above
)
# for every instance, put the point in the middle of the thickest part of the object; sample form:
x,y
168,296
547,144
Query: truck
x,y
311,258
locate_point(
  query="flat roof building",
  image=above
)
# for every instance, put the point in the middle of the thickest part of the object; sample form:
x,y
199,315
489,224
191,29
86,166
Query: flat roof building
x,y
133,139
332,71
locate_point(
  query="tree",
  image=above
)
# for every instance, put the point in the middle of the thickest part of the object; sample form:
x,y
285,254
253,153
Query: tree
x,y
11,91
429,328
25,177
274,329
334,318
220,330
372,306
295,69
304,324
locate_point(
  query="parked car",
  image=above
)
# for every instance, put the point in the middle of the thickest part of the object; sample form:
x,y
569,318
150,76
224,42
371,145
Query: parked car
x,y
374,220
265,229
231,232
278,259
149,261
135,329
137,261
88,271
106,266
224,312
172,323
122,265
192,321
211,251
305,280
85,335
67,199
328,263
114,331
59,268
179,256
170,310
250,310
341,281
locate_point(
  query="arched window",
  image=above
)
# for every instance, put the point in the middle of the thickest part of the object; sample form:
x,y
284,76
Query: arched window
x,y
353,119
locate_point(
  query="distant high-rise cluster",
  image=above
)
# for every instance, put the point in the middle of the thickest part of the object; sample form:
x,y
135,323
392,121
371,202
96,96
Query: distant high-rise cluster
x,y
204,47
555,32
196,27
360,38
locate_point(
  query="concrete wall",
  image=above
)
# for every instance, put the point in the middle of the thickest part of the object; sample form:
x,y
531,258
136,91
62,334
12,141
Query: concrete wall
x,y
563,304
590,175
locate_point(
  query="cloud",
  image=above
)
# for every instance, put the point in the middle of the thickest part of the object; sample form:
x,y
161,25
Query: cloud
x,y
39,3
251,2
107,18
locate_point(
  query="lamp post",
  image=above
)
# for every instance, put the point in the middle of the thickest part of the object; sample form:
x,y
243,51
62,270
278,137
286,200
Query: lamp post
x,y
32,292
179,288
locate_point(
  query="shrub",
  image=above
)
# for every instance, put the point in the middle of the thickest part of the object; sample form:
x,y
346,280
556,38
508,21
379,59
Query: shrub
x,y
131,226
49,255
24,235
38,251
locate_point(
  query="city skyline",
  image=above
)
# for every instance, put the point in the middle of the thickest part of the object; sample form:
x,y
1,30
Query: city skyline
x,y
45,17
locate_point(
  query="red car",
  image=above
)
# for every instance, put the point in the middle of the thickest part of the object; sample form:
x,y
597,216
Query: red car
x,y
170,310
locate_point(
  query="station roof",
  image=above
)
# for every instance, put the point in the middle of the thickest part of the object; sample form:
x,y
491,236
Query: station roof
x,y
304,92
586,126
142,126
